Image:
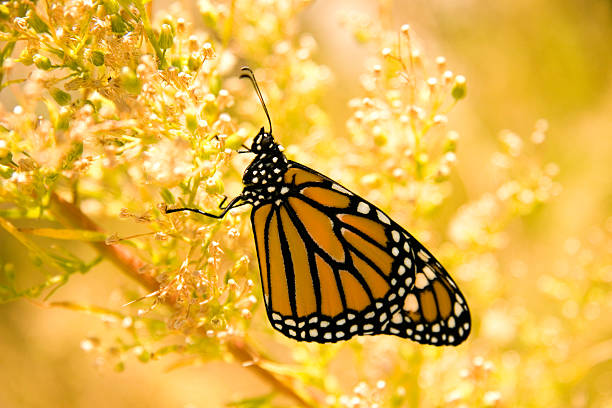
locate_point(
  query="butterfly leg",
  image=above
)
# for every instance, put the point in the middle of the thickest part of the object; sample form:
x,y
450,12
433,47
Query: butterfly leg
x,y
246,149
232,204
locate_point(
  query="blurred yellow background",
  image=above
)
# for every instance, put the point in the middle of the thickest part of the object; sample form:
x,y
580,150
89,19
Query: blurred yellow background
x,y
524,61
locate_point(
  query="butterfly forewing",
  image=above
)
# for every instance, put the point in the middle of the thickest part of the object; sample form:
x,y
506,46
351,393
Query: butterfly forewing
x,y
334,266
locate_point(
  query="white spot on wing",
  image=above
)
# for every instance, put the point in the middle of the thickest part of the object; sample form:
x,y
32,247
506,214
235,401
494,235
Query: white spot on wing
x,y
383,217
397,318
420,281
410,303
341,189
395,235
363,208
458,309
431,275
423,255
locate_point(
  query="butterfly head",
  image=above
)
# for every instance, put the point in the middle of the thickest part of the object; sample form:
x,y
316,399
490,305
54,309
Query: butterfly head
x,y
263,142
269,164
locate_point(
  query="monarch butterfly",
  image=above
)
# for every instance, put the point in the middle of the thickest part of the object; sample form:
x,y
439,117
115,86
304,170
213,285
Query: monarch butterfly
x,y
333,265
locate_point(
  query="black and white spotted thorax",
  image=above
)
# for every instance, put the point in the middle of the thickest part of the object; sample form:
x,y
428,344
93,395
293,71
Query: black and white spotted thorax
x,y
263,178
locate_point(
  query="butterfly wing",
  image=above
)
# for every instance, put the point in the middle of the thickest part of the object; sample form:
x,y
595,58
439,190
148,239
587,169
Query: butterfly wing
x,y
334,266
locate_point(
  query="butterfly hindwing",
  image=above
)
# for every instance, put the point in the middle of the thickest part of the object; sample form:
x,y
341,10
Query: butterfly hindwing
x,y
334,266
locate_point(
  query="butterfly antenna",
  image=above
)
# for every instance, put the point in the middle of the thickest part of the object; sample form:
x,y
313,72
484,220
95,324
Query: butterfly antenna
x,y
248,73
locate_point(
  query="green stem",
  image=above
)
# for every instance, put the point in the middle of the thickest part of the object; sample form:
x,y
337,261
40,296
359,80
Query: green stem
x,y
146,22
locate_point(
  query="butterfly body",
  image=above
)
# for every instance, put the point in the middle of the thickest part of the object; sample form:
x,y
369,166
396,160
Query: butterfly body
x,y
334,266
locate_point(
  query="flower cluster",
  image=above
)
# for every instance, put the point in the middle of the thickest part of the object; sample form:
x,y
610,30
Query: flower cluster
x,y
112,113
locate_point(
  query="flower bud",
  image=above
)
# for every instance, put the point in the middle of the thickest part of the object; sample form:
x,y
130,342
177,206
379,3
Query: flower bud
x,y
97,58
235,141
191,120
180,25
208,50
214,84
195,61
450,144
118,26
61,121
459,87
25,57
166,37
130,81
41,62
441,64
61,97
